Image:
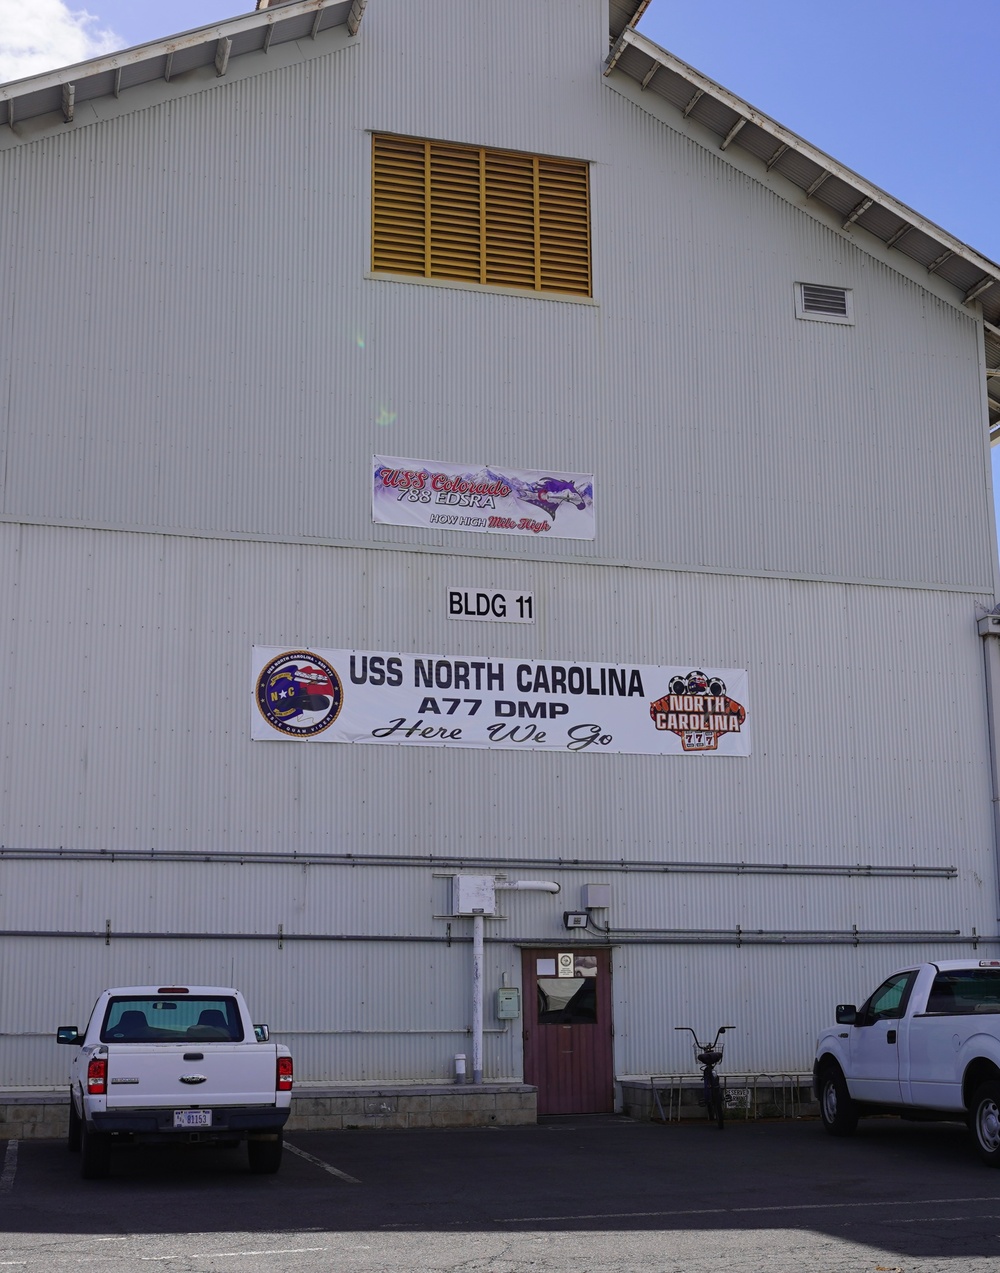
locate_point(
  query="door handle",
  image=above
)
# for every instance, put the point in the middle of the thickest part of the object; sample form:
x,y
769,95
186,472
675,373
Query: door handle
x,y
890,1036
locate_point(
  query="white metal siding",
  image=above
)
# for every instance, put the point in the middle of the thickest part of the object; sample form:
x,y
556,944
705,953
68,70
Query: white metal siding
x,y
194,374
128,670
226,360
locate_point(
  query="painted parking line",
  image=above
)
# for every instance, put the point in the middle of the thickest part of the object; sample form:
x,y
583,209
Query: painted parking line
x,y
9,1167
227,1255
938,1219
325,1166
733,1211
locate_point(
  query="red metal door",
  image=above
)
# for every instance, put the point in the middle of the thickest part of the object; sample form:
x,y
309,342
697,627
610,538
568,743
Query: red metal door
x,y
568,1040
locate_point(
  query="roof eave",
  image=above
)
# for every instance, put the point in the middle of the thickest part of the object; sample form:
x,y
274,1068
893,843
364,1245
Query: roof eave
x,y
742,113
623,14
266,21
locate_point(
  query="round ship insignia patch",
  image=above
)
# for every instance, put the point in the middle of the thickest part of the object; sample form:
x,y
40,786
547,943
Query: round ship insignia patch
x,y
299,694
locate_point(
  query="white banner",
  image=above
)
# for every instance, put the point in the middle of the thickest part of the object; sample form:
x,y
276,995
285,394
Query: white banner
x,y
417,700
487,500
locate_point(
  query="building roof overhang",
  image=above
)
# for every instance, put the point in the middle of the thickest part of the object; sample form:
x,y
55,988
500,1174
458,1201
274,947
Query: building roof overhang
x,y
625,13
65,89
855,201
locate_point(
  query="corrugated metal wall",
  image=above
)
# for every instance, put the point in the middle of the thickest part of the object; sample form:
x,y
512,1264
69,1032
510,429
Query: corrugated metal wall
x,y
198,372
128,695
225,361
361,970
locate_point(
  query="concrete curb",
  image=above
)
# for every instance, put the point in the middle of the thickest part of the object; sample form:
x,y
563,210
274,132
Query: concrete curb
x,y
38,1115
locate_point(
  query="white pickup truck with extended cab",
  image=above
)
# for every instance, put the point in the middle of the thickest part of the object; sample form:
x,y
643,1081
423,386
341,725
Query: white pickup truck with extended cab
x,y
925,1045
175,1065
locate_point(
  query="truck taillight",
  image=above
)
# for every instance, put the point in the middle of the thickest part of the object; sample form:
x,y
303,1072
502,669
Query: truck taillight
x,y
97,1076
284,1079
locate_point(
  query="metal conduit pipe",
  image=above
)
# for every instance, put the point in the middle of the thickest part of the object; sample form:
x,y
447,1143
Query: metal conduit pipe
x,y
421,861
309,1034
477,998
989,630
478,926
529,886
623,937
759,937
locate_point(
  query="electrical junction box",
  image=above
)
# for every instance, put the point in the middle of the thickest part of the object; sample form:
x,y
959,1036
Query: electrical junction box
x,y
508,1003
595,897
471,893
575,919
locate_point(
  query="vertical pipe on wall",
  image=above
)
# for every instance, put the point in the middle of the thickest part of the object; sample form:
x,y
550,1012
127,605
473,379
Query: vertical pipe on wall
x,y
477,997
989,630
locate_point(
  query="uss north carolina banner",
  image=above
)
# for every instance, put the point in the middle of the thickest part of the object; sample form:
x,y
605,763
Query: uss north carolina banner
x,y
429,700
487,500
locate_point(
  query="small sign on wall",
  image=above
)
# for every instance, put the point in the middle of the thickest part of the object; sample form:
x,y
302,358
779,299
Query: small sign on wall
x,y
485,498
491,604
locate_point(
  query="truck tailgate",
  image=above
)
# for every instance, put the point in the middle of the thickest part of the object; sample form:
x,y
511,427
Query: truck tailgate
x,y
182,1074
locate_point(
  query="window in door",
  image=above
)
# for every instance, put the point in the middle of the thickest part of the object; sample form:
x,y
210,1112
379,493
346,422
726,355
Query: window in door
x,y
888,1003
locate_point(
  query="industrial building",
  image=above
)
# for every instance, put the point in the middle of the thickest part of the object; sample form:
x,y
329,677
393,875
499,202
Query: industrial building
x,y
454,452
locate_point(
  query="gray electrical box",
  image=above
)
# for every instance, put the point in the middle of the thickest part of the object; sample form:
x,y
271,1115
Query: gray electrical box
x,y
508,1003
595,897
472,893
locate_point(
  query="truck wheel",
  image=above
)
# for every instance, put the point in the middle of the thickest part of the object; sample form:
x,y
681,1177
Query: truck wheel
x,y
265,1155
985,1122
95,1157
73,1136
837,1110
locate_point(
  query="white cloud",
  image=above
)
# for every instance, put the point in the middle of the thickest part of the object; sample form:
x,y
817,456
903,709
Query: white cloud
x,y
40,35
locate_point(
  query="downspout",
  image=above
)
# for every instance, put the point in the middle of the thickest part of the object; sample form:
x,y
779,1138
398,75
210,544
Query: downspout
x,y
989,630
523,886
477,997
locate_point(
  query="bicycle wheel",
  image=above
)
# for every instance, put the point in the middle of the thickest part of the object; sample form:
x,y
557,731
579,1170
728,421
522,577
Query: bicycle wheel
x,y
717,1108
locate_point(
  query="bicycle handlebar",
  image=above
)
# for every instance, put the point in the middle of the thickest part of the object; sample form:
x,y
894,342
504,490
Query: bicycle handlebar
x,y
706,1046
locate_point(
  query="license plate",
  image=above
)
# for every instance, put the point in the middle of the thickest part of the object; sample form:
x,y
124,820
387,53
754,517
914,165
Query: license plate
x,y
192,1118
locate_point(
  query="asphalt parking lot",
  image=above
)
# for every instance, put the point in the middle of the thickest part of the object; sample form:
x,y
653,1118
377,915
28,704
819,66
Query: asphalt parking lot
x,y
572,1193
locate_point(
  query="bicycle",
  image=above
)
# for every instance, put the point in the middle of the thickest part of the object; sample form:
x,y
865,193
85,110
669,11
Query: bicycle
x,y
708,1056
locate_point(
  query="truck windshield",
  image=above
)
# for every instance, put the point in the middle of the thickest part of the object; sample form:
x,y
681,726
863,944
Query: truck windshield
x,y
180,1019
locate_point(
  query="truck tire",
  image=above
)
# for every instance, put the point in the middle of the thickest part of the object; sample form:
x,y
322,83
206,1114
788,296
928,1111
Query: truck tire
x,y
73,1135
837,1110
984,1122
264,1156
95,1154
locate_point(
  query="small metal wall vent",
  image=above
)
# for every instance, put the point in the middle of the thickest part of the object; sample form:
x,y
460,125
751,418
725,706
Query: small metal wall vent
x,y
828,304
824,300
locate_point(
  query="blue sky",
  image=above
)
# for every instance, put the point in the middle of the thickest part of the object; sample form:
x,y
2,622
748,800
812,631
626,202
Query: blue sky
x,y
888,88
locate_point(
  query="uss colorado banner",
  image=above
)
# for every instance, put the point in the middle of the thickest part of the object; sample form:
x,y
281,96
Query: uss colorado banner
x,y
487,500
418,700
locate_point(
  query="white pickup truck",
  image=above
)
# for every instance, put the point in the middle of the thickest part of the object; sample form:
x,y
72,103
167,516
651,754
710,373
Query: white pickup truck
x,y
925,1045
176,1065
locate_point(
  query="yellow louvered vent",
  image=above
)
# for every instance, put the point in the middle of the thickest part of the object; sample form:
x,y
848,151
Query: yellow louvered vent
x,y
480,216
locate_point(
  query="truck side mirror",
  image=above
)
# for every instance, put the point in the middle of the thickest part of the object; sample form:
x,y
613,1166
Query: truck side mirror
x,y
68,1034
262,1033
847,1014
